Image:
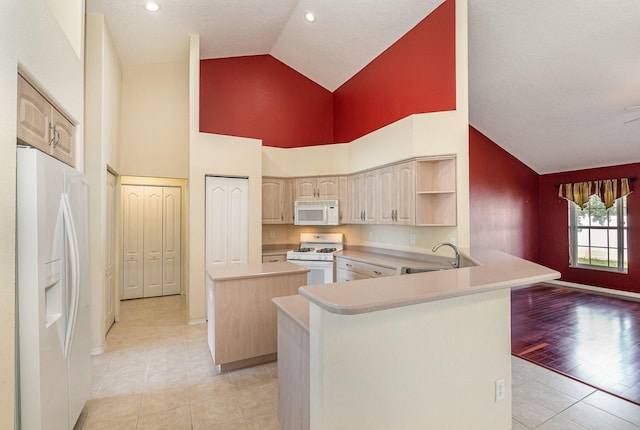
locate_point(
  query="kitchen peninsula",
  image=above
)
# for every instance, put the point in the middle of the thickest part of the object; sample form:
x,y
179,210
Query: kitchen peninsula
x,y
429,350
241,318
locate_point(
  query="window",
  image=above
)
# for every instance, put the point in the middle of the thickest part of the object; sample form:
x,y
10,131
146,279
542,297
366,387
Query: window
x,y
597,236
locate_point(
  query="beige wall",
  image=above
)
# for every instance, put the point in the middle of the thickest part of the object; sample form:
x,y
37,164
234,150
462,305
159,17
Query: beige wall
x,y
8,87
413,363
102,126
211,154
30,37
155,120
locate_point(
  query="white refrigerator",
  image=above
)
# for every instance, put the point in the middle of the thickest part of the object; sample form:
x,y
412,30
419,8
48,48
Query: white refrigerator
x,y
53,320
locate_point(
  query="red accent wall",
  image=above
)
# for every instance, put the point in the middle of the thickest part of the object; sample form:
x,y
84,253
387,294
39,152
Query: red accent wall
x,y
503,199
262,98
554,232
415,75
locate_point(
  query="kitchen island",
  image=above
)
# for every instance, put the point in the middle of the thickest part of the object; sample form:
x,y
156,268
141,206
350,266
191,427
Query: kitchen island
x,y
241,326
429,350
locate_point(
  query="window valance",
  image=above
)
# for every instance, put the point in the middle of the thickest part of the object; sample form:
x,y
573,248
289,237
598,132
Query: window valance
x,y
607,189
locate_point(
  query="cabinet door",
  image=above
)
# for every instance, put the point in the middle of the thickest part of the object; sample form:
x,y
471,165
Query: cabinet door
x,y
370,196
405,186
63,143
171,240
355,197
305,188
133,241
287,201
343,198
34,116
153,202
272,201
327,188
387,197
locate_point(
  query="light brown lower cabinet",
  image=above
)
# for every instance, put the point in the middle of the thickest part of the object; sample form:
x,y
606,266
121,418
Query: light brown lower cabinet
x,y
242,320
293,363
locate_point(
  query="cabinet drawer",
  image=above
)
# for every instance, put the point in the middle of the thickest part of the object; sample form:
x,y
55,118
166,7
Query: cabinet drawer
x,y
274,258
343,275
366,269
375,271
345,264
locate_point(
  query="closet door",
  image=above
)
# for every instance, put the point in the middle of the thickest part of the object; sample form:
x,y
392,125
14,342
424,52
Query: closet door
x,y
238,204
110,254
153,222
226,220
133,241
171,240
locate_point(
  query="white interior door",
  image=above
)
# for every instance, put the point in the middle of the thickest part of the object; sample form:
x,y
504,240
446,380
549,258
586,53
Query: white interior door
x,y
110,254
226,220
133,241
153,222
171,240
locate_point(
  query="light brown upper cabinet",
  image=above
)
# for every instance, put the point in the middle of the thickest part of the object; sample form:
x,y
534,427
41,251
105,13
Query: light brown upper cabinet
x,y
42,126
277,200
362,205
321,188
396,194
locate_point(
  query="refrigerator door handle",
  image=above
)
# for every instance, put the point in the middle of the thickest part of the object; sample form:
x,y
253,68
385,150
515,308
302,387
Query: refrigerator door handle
x,y
74,258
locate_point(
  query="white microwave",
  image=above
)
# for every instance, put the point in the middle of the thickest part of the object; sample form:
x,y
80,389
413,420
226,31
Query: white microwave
x,y
316,212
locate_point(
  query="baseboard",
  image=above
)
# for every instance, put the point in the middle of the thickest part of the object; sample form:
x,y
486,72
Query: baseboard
x,y
97,350
197,321
600,290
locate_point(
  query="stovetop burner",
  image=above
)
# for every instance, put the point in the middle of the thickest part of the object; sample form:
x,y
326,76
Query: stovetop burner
x,y
304,250
327,250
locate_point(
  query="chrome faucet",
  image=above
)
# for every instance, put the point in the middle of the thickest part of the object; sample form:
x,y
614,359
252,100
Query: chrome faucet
x,y
455,264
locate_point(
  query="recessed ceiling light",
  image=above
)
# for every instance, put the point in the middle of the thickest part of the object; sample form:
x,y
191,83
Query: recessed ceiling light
x,y
310,16
151,7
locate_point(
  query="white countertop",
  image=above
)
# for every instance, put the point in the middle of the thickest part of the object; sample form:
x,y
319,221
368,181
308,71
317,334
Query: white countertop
x,y
495,270
240,271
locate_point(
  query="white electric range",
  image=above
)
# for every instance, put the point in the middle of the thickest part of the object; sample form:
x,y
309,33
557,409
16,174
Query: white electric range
x,y
316,254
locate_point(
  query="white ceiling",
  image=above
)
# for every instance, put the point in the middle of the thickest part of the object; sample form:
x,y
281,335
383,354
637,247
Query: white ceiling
x,y
550,81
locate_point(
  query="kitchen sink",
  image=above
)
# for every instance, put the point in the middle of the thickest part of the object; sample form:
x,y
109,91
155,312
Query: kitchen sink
x,y
405,270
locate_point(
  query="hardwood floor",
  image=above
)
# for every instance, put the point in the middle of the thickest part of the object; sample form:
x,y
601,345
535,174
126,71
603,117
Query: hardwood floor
x,y
589,337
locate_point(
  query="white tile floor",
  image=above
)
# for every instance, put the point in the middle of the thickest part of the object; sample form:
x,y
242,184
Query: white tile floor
x,y
157,373
545,400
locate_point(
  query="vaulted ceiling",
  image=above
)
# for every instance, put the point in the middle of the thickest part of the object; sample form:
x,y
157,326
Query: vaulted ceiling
x,y
555,83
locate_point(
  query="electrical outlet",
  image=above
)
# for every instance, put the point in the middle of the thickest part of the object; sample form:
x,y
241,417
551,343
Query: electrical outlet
x,y
412,239
272,234
499,390
452,240
370,235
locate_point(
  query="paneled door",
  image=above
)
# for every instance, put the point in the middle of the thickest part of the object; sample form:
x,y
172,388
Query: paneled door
x,y
171,237
152,231
132,241
110,254
152,241
226,220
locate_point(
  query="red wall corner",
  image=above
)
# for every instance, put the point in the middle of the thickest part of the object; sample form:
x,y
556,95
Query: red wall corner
x,y
503,199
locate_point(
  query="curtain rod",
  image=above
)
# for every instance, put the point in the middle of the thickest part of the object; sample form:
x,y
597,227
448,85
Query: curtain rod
x,y
633,178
